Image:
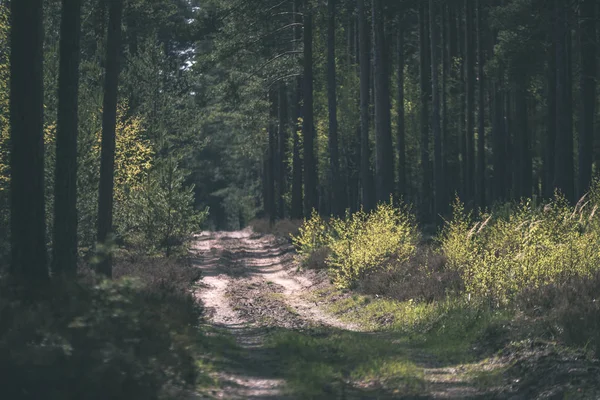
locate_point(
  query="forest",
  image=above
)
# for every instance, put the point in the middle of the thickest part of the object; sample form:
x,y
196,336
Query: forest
x,y
299,199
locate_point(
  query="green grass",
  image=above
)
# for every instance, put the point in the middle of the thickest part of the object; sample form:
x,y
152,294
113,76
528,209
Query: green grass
x,y
447,329
322,363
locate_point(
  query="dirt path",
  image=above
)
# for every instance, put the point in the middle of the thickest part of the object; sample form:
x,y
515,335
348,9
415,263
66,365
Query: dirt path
x,y
251,287
236,266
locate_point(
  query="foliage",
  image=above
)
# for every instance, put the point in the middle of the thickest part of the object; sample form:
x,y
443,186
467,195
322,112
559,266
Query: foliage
x,y
161,212
361,243
312,235
528,247
125,339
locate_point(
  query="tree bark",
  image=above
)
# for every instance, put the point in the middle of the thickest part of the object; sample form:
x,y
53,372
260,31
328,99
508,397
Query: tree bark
x,y
271,201
336,195
470,110
384,165
438,176
296,211
64,257
366,176
109,121
28,221
282,137
310,162
550,138
563,171
481,166
401,134
424,71
587,23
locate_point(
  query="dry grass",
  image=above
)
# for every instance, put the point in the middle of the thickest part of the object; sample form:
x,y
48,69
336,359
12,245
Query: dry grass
x,y
424,277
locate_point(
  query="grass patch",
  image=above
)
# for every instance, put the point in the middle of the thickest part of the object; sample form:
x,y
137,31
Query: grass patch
x,y
449,329
324,363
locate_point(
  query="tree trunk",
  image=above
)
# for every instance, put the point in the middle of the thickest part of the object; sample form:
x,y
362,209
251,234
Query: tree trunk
x,y
481,113
470,111
550,138
366,178
438,176
336,195
282,138
28,221
401,134
271,201
425,92
587,18
523,172
310,162
296,211
462,184
109,121
444,99
563,171
384,165
64,251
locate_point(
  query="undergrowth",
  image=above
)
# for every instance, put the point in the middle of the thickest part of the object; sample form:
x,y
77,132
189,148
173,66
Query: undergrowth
x,y
539,261
131,338
360,243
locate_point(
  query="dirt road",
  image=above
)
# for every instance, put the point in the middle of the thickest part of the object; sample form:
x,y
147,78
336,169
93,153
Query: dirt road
x,y
251,288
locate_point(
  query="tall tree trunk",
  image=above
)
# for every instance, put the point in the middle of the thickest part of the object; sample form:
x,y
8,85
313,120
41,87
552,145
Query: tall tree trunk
x,y
28,221
481,112
384,166
271,172
550,138
438,176
109,122
401,134
499,143
310,162
366,177
424,71
296,211
452,146
563,171
523,172
470,111
336,198
444,99
587,17
282,138
461,126
64,251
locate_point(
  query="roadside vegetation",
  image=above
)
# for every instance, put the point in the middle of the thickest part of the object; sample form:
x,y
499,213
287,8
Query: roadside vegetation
x,y
512,284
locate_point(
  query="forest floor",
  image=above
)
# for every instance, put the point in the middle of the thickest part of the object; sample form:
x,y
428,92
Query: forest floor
x,y
272,332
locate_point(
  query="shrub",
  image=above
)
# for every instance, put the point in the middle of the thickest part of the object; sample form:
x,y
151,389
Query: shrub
x,y
569,311
125,339
500,255
423,277
359,244
312,235
161,215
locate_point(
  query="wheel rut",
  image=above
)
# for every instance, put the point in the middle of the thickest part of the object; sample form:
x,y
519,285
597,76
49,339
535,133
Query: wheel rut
x,y
250,286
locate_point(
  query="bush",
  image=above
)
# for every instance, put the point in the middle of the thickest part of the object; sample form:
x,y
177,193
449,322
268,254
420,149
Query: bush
x,y
569,311
361,243
160,216
423,277
125,339
500,255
